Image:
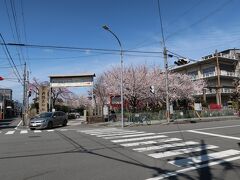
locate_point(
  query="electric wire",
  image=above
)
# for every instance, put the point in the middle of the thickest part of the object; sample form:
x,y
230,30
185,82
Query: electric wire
x,y
8,67
180,56
11,62
200,20
14,14
184,13
83,49
15,37
161,23
25,34
166,66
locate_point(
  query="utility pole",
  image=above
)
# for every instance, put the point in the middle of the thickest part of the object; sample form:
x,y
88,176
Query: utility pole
x,y
27,97
166,66
219,99
24,95
166,83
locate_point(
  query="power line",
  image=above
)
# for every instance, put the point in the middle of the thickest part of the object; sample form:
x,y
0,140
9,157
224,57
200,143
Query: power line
x,y
200,20
180,56
14,12
11,62
160,18
11,27
9,19
3,67
173,21
90,55
70,48
25,34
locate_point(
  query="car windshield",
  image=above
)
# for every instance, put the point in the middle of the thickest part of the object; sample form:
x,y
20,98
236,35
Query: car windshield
x,y
44,115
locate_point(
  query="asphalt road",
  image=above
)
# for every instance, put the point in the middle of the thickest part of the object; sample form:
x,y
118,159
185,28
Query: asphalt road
x,y
208,150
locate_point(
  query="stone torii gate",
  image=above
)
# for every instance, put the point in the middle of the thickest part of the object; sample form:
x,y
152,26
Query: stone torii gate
x,y
79,80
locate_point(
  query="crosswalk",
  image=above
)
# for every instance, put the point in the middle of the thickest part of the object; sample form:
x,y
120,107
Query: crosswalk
x,y
24,131
188,155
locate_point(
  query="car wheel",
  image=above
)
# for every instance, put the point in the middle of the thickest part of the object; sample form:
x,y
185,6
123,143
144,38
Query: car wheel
x,y
50,125
64,122
32,128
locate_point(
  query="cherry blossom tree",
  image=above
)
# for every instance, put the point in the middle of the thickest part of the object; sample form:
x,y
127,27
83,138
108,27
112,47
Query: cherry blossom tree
x,y
135,84
84,101
100,91
62,93
137,81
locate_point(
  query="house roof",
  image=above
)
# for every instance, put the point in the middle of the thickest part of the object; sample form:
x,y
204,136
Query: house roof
x,y
202,61
73,75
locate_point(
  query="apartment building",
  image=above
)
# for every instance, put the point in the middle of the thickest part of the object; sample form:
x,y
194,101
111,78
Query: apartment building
x,y
219,71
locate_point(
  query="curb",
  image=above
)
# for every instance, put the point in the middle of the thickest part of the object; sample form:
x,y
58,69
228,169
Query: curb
x,y
164,122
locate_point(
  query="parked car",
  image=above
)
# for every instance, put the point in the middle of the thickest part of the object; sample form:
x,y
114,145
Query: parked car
x,y
73,115
48,120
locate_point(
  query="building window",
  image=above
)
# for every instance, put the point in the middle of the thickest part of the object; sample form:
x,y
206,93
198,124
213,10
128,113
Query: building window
x,y
193,75
208,72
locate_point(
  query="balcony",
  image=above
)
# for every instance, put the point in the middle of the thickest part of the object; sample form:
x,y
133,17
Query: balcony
x,y
222,73
209,74
228,73
214,91
227,90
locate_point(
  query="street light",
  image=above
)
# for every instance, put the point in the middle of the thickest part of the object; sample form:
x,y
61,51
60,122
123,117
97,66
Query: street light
x,y
121,54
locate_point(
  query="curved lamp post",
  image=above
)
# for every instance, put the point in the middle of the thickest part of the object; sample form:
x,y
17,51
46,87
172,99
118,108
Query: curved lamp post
x,y
121,54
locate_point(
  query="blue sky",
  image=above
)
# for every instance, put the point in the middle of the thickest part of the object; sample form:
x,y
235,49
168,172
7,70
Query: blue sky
x,y
193,28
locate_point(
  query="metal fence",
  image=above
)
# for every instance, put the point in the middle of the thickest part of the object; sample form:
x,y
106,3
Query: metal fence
x,y
180,114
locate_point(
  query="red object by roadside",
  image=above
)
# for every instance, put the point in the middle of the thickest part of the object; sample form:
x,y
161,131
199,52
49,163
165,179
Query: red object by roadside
x,y
215,106
1,78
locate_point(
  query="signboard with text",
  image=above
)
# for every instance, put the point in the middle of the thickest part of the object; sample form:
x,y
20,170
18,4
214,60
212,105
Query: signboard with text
x,y
72,81
43,98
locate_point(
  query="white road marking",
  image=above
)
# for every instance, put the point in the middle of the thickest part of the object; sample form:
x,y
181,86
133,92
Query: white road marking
x,y
167,175
10,132
120,134
216,135
23,132
133,135
163,146
94,130
181,151
209,128
18,125
50,130
203,158
138,139
150,142
37,131
109,132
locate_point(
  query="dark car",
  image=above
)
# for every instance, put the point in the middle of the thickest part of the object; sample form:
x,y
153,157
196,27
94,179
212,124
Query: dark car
x,y
48,120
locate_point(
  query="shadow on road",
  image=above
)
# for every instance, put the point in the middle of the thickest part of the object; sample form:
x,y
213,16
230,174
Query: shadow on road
x,y
202,173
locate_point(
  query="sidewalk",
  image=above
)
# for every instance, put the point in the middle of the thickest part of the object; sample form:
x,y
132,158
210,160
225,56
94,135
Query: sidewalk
x,y
176,121
10,122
